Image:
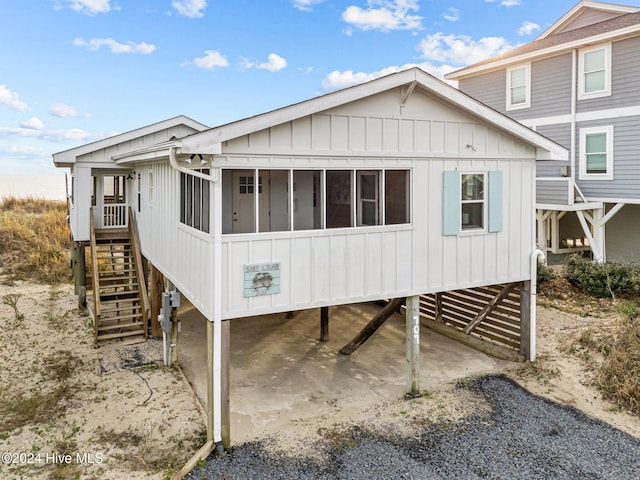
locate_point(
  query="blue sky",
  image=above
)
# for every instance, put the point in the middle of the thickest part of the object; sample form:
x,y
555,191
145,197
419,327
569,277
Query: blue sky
x,y
76,71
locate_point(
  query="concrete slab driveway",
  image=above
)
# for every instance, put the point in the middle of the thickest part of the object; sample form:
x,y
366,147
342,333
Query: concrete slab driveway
x,y
282,374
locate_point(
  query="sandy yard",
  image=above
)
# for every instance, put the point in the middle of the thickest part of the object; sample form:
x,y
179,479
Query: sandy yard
x,y
70,410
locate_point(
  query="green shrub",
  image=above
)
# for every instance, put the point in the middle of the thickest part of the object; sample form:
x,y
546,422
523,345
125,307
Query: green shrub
x,y
603,279
545,274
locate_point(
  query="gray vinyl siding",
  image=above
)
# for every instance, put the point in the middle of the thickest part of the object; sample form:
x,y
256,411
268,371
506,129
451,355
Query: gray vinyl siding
x,y
560,133
623,235
550,88
489,89
625,73
626,163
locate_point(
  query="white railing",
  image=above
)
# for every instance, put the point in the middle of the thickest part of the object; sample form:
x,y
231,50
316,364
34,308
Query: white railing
x,y
114,215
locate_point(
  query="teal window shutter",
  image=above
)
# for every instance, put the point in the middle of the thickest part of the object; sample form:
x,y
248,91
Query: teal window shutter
x,y
495,201
451,205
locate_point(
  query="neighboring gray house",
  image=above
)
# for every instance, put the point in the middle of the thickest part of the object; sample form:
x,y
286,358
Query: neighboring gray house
x,y
577,84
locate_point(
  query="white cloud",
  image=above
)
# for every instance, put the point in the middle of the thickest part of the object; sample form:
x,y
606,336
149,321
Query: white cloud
x,y
11,99
90,7
116,47
305,5
337,79
33,123
452,14
510,3
461,49
190,8
274,64
74,134
65,111
527,28
211,59
384,15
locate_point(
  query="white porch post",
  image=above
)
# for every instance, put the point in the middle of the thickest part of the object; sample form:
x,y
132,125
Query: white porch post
x,y
413,344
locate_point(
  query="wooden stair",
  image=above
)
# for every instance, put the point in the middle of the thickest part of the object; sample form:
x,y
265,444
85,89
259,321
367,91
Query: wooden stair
x,y
119,292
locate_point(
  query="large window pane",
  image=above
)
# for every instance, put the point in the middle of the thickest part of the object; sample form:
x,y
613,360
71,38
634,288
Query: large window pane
x,y
594,71
472,215
368,189
472,187
396,193
307,204
339,204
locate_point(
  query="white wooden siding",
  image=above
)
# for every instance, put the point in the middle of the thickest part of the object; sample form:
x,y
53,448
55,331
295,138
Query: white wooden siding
x,y
326,267
444,132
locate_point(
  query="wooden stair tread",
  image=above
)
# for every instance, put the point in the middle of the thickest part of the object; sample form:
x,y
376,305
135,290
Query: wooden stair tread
x,y
120,334
107,328
104,319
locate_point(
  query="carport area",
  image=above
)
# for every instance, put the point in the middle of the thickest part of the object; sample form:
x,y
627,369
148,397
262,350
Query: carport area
x,y
282,375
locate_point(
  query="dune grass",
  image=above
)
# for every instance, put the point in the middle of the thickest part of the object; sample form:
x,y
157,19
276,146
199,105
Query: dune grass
x,y
34,239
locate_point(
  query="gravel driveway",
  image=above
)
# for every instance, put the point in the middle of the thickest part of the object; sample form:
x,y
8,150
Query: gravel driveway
x,y
524,437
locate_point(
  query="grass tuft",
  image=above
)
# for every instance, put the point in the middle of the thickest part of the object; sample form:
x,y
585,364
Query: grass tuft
x,y
34,239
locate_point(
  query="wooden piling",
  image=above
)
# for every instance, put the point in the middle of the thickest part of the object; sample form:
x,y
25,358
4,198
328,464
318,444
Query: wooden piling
x,y
413,344
324,324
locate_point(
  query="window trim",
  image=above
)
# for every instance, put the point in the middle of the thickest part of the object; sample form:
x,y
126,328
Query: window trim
x,y
484,202
527,103
608,131
606,92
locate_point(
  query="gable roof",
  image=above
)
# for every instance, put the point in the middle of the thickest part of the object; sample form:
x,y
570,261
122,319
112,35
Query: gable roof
x,y
67,158
210,141
582,7
556,40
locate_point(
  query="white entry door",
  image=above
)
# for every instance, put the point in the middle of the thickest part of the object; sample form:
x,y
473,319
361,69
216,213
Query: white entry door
x,y
244,201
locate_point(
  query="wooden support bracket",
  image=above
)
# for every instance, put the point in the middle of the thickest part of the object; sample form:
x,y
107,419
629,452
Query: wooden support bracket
x,y
372,326
489,308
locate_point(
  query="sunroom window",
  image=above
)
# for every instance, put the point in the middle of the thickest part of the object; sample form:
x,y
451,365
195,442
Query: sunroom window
x,y
313,199
194,201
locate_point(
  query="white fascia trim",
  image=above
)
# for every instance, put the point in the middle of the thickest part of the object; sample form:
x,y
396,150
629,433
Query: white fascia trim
x,y
593,115
546,52
584,4
69,156
213,138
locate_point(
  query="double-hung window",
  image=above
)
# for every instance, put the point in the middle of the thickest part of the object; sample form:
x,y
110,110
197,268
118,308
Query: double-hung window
x,y
596,153
594,70
519,87
472,202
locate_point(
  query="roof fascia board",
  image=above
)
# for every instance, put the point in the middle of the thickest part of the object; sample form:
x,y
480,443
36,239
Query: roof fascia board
x,y
546,149
546,52
211,139
579,8
68,157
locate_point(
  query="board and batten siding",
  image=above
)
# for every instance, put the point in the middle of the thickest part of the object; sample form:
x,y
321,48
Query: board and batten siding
x,y
334,266
425,125
426,136
184,255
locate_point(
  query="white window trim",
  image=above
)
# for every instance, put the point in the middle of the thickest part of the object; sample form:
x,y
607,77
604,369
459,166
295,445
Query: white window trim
x,y
607,73
527,102
608,130
485,204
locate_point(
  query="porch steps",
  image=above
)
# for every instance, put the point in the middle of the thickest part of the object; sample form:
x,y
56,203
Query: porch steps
x,y
119,293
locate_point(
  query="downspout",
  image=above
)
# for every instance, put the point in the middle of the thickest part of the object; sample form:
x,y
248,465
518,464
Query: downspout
x,y
214,328
535,255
